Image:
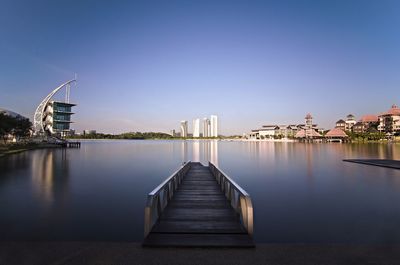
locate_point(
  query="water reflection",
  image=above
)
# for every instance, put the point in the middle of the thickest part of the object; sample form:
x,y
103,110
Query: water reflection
x,y
50,173
205,151
301,192
196,151
184,148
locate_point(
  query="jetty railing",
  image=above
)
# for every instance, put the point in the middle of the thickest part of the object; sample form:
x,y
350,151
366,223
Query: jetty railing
x,y
158,199
238,197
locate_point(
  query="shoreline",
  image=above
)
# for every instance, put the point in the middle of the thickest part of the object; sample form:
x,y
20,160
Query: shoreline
x,y
284,140
76,252
20,148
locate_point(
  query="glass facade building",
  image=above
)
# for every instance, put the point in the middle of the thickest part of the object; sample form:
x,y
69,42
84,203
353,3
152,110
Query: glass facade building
x,y
60,121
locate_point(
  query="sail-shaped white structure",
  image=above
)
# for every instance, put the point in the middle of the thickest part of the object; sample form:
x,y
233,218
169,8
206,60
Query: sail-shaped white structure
x,y
49,113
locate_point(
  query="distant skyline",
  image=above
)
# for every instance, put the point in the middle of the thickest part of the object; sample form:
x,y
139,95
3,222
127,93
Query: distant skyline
x,y
147,65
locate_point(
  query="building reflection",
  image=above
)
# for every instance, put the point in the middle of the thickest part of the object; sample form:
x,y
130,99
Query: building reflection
x,y
214,152
205,151
196,151
370,151
309,157
184,151
50,173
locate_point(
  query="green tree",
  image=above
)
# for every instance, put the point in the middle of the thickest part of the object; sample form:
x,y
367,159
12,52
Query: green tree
x,y
7,124
22,127
18,126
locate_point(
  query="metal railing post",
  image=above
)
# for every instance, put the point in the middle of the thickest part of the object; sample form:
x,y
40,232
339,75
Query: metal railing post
x,y
238,198
158,199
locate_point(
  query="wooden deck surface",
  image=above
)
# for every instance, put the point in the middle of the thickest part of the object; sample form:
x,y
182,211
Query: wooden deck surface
x,y
376,162
198,215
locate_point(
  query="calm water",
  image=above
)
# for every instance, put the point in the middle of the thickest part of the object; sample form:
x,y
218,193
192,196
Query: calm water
x,y
302,193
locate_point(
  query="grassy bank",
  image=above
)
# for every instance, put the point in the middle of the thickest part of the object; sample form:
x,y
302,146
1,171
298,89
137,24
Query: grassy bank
x,y
14,148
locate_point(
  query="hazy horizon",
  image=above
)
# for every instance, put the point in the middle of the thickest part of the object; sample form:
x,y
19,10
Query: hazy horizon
x,y
145,66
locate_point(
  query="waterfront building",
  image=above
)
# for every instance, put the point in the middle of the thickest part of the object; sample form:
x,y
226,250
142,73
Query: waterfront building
x,y
54,117
350,121
173,134
389,121
341,124
196,128
214,126
281,131
206,127
58,118
309,128
358,127
309,131
370,121
336,135
89,132
266,132
184,129
367,123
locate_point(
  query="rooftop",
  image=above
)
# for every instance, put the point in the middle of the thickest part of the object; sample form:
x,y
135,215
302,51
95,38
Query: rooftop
x,y
369,118
394,110
336,132
340,121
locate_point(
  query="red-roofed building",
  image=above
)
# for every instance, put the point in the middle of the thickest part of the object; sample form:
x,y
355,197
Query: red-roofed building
x,y
369,118
366,123
389,122
336,135
311,134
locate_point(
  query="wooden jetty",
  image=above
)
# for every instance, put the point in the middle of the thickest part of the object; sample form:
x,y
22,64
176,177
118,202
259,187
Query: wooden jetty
x,y
68,144
198,206
376,162
74,144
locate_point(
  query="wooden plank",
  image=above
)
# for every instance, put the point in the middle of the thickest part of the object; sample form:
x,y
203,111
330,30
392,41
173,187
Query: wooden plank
x,y
202,227
198,240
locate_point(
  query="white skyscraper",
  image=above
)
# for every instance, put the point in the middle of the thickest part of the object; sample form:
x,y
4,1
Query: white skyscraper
x,y
214,126
184,128
206,127
196,128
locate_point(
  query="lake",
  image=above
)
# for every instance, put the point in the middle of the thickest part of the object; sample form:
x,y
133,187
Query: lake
x,y
301,193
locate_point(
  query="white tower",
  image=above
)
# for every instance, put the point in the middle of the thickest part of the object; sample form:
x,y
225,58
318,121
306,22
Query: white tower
x,y
184,129
206,127
196,128
214,126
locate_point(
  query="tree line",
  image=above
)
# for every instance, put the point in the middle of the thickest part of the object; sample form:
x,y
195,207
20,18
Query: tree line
x,y
129,135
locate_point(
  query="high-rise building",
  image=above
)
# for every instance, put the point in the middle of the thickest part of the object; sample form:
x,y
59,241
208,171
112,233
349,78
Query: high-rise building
x,y
196,128
206,127
184,128
214,126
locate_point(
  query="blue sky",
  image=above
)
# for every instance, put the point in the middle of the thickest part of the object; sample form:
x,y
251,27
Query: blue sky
x,y
146,65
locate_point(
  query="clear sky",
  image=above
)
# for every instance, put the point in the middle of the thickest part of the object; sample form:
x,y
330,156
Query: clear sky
x,y
146,65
